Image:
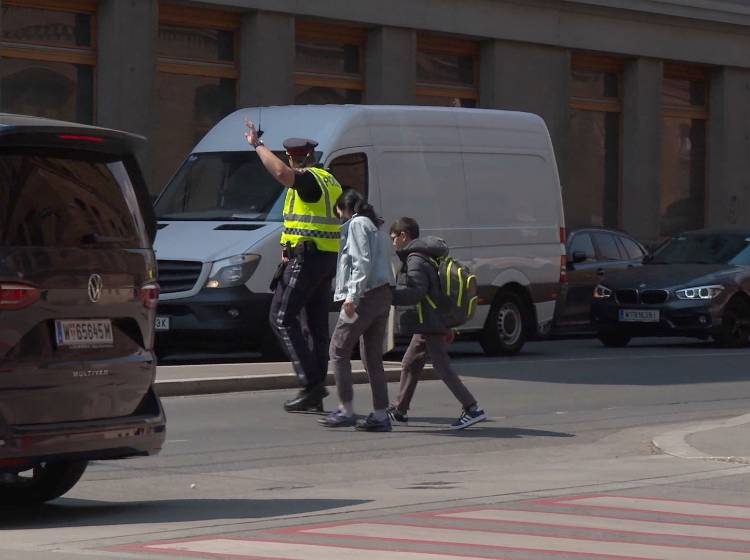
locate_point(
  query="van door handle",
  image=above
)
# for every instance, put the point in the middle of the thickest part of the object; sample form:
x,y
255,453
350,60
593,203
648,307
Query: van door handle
x,y
600,272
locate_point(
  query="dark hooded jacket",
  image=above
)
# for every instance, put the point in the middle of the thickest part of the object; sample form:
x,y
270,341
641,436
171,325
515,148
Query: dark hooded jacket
x,y
418,278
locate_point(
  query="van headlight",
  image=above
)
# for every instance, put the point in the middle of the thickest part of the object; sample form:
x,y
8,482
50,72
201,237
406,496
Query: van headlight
x,y
232,271
700,292
602,292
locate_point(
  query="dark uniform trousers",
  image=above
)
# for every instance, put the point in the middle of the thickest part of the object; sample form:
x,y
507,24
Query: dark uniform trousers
x,y
305,286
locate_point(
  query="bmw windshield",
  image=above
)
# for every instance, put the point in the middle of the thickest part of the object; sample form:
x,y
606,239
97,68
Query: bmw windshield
x,y
222,186
714,248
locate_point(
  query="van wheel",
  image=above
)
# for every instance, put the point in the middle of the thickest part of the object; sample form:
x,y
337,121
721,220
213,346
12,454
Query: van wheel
x,y
735,325
43,483
504,331
613,340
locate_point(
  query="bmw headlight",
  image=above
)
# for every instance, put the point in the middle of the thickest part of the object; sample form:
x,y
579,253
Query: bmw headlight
x,y
700,292
602,292
232,271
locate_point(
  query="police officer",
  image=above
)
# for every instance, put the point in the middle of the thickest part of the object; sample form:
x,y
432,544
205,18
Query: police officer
x,y
310,244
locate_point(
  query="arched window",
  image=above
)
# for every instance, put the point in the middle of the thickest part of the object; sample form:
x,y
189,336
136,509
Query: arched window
x,y
48,58
328,64
196,82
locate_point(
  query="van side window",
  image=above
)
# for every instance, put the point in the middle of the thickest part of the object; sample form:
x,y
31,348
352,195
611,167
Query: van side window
x,y
350,171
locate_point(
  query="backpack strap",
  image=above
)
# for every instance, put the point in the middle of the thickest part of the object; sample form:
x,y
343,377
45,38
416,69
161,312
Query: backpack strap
x,y
432,261
436,266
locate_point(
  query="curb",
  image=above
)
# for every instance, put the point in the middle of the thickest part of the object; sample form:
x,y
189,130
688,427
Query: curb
x,y
674,443
259,382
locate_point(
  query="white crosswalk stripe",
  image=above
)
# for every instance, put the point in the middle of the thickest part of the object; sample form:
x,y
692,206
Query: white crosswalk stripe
x,y
292,551
603,523
572,527
526,542
663,506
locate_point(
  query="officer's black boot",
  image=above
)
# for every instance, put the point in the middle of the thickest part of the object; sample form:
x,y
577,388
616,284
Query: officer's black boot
x,y
307,400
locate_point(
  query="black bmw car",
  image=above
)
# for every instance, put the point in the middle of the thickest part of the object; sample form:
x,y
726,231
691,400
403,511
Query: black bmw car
x,y
696,284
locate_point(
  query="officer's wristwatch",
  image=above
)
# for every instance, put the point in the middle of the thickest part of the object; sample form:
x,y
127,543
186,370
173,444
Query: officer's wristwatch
x,y
258,143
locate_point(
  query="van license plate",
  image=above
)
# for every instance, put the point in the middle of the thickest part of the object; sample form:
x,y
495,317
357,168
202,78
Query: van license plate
x,y
161,324
639,315
84,333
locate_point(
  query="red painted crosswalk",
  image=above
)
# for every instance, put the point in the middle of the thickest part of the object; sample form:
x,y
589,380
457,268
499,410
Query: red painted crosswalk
x,y
578,527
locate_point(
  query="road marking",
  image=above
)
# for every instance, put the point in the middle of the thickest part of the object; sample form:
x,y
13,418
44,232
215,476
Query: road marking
x,y
602,523
527,543
291,551
652,505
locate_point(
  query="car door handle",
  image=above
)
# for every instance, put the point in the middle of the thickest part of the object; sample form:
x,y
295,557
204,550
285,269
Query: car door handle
x,y
600,272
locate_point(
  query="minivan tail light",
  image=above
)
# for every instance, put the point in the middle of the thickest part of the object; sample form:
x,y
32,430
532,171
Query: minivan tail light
x,y
17,296
563,238
149,295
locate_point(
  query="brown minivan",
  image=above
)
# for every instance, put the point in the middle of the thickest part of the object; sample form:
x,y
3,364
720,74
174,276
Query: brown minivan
x,y
77,302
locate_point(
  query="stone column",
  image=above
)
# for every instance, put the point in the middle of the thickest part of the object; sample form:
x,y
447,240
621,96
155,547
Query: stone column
x,y
532,78
266,59
641,149
728,188
391,66
126,67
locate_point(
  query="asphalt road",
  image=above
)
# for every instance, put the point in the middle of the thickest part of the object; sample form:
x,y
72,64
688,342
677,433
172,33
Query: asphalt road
x,y
566,417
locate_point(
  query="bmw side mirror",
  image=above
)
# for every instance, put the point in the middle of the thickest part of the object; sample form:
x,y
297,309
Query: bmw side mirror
x,y
579,256
647,259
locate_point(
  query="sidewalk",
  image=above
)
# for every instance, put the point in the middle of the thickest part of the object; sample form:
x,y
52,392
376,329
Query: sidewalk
x,y
182,380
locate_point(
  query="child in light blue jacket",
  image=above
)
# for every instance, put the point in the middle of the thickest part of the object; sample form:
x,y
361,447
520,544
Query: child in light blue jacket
x,y
364,282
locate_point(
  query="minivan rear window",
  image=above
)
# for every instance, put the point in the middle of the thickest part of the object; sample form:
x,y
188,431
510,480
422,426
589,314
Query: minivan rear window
x,y
62,199
222,186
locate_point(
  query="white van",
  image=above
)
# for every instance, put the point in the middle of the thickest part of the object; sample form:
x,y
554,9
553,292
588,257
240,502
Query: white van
x,y
484,180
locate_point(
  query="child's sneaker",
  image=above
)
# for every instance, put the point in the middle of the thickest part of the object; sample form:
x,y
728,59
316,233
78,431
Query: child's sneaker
x,y
338,419
469,418
372,424
395,415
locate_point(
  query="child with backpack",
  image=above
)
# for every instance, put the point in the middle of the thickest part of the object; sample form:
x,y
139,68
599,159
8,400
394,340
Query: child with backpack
x,y
430,317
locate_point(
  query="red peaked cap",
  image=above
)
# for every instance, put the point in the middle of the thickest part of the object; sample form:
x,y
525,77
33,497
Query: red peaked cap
x,y
299,146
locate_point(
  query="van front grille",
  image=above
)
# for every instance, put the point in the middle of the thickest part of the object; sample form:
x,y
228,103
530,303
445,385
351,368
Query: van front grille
x,y
178,276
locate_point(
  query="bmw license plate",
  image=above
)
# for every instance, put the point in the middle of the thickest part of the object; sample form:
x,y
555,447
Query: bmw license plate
x,y
639,315
95,332
161,323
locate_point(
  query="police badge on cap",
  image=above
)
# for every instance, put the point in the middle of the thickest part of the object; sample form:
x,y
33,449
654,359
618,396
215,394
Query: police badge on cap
x,y
297,147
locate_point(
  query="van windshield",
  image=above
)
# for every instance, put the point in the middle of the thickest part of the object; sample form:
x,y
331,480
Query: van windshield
x,y
222,186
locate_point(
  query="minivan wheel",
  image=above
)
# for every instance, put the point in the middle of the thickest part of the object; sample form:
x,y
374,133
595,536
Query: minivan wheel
x,y
613,340
504,331
735,325
40,484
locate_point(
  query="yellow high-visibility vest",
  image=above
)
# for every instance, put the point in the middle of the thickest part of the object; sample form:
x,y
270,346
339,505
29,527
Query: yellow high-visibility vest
x,y
314,221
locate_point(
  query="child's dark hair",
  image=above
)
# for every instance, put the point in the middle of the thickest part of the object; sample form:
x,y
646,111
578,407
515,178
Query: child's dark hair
x,y
406,225
352,201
